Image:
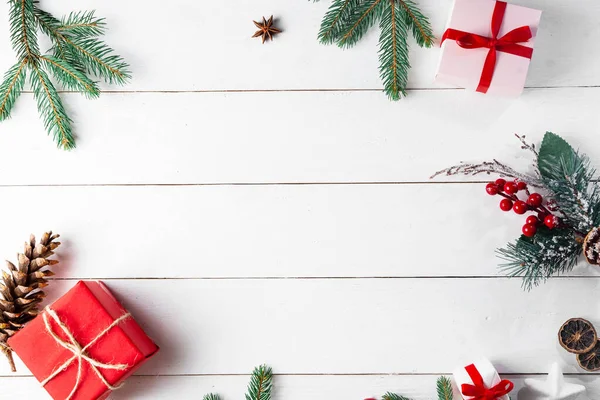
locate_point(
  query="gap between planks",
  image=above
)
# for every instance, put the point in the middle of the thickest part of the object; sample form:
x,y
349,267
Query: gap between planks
x,y
313,278
376,374
325,90
341,183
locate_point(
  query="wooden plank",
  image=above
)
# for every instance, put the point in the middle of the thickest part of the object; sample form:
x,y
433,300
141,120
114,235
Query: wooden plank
x,y
266,231
324,326
287,137
351,387
207,46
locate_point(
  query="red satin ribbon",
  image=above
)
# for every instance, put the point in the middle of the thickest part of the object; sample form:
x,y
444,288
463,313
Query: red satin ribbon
x,y
508,43
479,391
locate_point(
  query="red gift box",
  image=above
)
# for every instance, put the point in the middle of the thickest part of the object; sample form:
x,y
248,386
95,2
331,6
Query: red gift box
x,y
83,345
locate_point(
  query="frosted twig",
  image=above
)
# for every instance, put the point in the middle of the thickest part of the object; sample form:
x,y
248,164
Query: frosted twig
x,y
490,167
527,146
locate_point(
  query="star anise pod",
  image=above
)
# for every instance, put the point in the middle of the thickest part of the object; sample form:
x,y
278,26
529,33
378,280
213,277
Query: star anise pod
x,y
266,30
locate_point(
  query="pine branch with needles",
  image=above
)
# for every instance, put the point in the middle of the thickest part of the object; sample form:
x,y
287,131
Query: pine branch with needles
x,y
443,386
261,384
259,388
565,220
393,396
347,21
77,56
444,389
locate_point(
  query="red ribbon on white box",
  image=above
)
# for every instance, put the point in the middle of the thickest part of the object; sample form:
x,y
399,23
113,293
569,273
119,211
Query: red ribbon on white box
x,y
480,381
509,43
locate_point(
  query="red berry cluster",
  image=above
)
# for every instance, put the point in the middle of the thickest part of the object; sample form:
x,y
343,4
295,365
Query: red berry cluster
x,y
534,203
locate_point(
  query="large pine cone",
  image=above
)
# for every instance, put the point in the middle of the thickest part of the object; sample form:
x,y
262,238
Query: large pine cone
x,y
591,246
21,287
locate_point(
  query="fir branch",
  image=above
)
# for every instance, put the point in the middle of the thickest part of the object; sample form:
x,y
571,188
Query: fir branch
x,y
47,23
99,59
393,50
211,396
70,77
85,53
570,179
56,120
347,21
393,396
420,25
50,25
260,385
444,389
23,29
11,88
536,259
362,18
83,23
336,17
76,52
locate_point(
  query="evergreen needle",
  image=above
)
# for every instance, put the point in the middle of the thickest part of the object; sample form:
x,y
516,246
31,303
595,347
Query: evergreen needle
x,y
347,21
444,389
76,53
393,396
572,204
11,88
260,385
211,396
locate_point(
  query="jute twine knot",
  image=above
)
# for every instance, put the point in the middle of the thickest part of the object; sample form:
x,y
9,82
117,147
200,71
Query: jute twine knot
x,y
80,353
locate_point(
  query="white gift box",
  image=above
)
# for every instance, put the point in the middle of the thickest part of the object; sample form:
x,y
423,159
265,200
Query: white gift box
x,y
486,370
463,67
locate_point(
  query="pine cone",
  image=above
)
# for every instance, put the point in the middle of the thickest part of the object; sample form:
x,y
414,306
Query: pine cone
x,y
21,288
591,247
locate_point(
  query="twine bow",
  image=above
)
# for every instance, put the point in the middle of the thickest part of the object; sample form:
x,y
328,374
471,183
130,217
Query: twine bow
x,y
80,353
508,43
478,390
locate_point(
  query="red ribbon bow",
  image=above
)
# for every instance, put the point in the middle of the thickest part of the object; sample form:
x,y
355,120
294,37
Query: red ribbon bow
x,y
478,390
508,43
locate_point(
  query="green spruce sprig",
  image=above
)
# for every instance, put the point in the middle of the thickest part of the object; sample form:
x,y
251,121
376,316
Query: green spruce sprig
x,y
261,384
347,21
573,197
393,396
260,387
444,391
76,54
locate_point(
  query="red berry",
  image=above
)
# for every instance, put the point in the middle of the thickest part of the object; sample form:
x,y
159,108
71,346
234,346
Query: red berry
x,y
535,200
532,220
550,221
541,215
510,187
491,188
506,205
521,185
500,181
520,207
529,230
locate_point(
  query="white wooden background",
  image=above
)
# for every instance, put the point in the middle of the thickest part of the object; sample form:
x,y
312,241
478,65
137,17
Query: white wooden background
x,y
266,203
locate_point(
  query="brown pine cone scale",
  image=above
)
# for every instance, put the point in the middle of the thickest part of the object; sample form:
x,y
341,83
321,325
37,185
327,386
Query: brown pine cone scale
x,y
591,246
21,287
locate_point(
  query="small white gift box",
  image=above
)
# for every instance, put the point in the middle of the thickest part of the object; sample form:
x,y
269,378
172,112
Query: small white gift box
x,y
480,380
